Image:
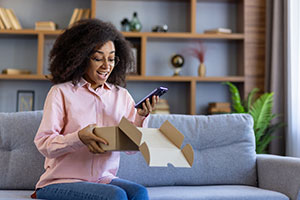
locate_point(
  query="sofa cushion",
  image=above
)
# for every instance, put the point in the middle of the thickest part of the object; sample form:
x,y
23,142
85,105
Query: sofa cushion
x,y
224,147
21,163
220,192
15,194
232,192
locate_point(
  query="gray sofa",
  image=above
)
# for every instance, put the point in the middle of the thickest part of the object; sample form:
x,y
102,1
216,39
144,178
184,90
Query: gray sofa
x,y
225,166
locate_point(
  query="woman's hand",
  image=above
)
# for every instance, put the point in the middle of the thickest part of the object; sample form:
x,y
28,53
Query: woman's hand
x,y
92,141
147,107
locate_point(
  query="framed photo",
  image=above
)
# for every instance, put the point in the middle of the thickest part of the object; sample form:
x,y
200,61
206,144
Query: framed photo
x,y
133,70
25,100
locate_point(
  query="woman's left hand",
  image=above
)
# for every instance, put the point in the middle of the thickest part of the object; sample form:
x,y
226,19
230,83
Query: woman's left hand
x,y
147,107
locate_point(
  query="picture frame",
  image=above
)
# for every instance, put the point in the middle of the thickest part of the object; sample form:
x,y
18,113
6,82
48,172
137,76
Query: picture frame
x,y
133,69
25,100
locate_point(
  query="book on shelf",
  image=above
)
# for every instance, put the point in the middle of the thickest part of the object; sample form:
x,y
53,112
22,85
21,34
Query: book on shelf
x,y
162,107
86,14
13,19
2,26
219,30
4,17
45,25
74,16
219,104
9,20
219,107
78,14
12,71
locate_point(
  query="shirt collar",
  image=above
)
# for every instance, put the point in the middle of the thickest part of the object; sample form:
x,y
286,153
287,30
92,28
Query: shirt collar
x,y
82,82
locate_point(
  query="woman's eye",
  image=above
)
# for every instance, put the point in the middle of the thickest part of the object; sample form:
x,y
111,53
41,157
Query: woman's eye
x,y
111,59
98,59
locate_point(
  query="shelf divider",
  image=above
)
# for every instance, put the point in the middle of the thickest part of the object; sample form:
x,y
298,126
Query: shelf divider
x,y
143,55
40,53
193,89
193,15
93,8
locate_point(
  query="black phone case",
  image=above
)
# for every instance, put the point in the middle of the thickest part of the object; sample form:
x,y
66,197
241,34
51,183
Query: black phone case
x,y
157,92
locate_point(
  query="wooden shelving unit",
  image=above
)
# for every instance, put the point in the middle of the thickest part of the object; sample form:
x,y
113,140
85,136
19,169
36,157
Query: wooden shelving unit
x,y
250,38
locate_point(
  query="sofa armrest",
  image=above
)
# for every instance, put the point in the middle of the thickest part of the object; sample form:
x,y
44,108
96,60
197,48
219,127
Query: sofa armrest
x,y
279,173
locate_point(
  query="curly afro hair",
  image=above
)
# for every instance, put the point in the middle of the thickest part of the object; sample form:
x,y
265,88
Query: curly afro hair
x,y
69,57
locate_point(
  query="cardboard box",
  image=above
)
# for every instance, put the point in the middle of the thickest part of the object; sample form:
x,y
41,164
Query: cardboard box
x,y
158,146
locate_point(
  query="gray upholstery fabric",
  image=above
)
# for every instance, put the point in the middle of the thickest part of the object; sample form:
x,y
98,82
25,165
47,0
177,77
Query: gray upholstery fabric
x,y
224,152
280,174
15,194
20,162
232,192
224,192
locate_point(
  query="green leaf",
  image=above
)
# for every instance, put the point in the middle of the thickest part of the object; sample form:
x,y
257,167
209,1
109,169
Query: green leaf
x,y
250,98
261,112
235,97
263,144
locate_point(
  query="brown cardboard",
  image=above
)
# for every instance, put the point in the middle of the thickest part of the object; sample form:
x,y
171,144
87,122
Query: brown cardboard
x,y
117,140
158,146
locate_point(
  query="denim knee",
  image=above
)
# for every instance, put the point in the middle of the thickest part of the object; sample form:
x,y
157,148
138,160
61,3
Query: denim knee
x,y
140,193
118,194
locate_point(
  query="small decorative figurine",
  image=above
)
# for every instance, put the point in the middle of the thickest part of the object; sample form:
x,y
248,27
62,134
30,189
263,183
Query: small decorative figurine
x,y
163,28
125,25
177,61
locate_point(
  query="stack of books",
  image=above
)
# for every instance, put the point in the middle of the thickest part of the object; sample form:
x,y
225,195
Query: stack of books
x,y
8,19
12,71
162,107
78,14
45,26
218,30
219,108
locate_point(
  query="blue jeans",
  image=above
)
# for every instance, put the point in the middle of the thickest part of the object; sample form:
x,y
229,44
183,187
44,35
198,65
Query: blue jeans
x,y
118,189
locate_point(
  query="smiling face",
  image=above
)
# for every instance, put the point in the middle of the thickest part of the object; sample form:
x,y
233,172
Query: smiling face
x,y
101,64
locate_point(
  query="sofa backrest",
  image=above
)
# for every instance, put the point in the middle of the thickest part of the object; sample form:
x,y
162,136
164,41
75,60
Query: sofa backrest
x,y
224,147
21,164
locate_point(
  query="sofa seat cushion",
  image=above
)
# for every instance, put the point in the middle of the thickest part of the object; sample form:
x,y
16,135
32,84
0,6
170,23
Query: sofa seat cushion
x,y
15,194
220,192
226,192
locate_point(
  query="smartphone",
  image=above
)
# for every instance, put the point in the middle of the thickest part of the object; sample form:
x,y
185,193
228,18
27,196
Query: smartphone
x,y
157,92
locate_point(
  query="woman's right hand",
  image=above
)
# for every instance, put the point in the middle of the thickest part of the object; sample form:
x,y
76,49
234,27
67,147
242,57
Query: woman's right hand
x,y
92,141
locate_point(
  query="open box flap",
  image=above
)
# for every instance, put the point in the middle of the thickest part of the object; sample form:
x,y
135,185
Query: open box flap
x,y
131,131
172,133
116,139
161,157
188,153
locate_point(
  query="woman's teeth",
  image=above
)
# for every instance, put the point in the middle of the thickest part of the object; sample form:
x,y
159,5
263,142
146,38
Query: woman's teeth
x,y
102,73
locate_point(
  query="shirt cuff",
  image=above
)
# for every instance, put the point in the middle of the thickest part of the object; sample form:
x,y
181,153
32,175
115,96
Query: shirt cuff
x,y
74,141
139,120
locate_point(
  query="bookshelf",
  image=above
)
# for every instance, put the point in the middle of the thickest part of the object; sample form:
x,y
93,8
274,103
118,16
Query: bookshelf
x,y
245,45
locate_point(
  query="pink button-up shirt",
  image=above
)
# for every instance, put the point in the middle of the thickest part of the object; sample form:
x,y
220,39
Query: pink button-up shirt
x,y
67,110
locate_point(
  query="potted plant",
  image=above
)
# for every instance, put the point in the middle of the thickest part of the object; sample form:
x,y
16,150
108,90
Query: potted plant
x,y
261,112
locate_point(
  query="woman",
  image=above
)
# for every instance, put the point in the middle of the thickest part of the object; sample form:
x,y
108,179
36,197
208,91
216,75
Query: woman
x,y
88,64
